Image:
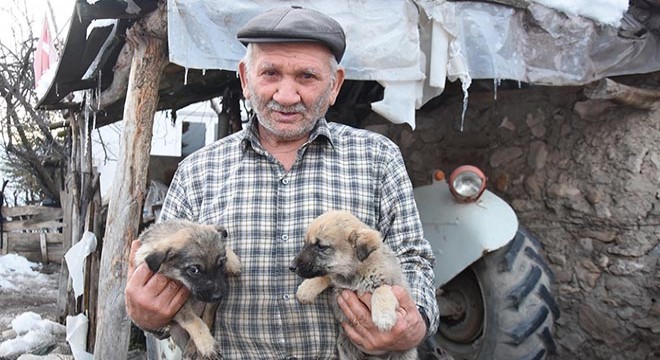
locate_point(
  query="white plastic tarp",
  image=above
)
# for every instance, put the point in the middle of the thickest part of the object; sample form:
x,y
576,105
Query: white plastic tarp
x,y
390,41
541,45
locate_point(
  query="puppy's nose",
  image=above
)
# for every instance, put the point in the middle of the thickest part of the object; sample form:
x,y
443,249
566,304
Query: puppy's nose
x,y
293,266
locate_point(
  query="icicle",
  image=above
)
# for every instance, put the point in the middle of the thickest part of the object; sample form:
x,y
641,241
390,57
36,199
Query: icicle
x,y
496,83
88,108
98,93
81,134
94,120
185,77
203,72
519,84
465,103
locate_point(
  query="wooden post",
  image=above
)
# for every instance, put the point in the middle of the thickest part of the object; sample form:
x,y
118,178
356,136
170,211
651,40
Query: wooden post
x,y
129,184
44,247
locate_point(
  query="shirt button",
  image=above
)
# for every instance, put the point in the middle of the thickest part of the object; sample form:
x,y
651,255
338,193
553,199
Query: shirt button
x,y
291,358
285,296
285,237
285,181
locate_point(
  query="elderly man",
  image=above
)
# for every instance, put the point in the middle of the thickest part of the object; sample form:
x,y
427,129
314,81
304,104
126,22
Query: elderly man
x,y
265,184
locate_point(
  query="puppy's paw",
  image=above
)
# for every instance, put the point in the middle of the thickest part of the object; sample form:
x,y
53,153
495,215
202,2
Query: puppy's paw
x,y
233,262
384,321
306,292
311,288
207,351
383,308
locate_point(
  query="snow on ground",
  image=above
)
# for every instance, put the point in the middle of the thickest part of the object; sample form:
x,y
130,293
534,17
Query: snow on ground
x,y
28,297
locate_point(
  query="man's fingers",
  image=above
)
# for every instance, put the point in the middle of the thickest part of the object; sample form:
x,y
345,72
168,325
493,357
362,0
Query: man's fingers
x,y
158,284
140,276
180,297
365,297
135,244
405,300
345,307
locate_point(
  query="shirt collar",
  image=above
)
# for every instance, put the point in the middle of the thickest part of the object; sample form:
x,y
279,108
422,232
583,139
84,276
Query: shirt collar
x,y
320,131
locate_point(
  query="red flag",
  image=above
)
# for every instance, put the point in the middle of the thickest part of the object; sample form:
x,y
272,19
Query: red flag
x,y
45,54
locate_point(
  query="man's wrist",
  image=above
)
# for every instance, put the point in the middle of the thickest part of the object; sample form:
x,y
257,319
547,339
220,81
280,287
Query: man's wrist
x,y
160,333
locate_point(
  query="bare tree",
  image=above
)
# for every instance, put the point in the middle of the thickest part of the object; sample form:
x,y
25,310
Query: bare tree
x,y
34,155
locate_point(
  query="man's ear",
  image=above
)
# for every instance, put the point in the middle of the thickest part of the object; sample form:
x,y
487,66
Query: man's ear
x,y
155,259
364,241
339,80
242,74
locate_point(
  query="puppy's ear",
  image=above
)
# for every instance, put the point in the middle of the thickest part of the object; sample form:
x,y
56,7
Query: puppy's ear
x,y
364,241
221,229
155,259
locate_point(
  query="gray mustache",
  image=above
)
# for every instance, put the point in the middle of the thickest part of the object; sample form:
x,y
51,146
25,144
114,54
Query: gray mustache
x,y
275,106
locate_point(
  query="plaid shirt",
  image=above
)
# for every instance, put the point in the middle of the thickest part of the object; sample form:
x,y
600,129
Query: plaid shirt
x,y
236,183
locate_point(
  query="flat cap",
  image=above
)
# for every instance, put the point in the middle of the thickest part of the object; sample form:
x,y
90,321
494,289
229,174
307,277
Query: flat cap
x,y
293,24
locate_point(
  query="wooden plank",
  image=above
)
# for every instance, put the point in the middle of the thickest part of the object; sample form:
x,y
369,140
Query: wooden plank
x,y
44,247
21,248
31,210
23,225
55,255
34,237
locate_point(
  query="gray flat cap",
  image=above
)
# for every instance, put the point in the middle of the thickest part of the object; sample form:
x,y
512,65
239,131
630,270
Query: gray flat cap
x,y
293,24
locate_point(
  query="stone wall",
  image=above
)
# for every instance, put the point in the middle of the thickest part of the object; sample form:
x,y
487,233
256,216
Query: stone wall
x,y
584,176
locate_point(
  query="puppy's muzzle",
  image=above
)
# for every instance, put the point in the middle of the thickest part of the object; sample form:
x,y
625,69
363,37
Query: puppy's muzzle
x,y
305,268
211,291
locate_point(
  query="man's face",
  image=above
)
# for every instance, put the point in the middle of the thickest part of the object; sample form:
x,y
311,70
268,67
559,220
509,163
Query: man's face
x,y
290,87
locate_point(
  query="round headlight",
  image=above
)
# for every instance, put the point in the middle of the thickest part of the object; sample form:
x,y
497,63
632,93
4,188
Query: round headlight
x,y
467,183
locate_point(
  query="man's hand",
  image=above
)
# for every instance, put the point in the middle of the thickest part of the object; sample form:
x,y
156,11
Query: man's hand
x,y
407,333
152,300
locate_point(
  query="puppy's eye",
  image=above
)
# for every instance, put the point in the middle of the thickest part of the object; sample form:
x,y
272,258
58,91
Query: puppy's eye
x,y
193,270
321,247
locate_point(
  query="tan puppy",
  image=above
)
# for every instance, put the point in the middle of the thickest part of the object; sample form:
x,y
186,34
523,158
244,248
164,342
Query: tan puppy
x,y
195,255
342,252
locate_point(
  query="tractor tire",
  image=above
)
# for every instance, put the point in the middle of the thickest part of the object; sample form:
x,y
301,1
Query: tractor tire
x,y
508,309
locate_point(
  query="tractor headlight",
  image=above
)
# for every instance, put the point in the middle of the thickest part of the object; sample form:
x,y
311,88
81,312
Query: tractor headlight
x,y
467,183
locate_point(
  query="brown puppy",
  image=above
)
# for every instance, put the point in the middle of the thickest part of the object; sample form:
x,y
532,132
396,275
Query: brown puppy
x,y
195,255
342,252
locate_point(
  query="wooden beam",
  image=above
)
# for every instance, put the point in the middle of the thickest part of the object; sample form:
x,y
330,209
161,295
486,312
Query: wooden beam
x,y
148,39
51,212
607,89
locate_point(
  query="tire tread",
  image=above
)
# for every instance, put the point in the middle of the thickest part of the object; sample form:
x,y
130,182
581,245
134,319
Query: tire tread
x,y
525,287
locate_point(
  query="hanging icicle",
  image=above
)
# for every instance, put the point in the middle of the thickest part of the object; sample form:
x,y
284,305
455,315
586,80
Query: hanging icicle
x,y
85,133
465,86
98,90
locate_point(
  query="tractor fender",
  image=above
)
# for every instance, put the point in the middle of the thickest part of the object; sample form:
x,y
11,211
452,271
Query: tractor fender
x,y
461,233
